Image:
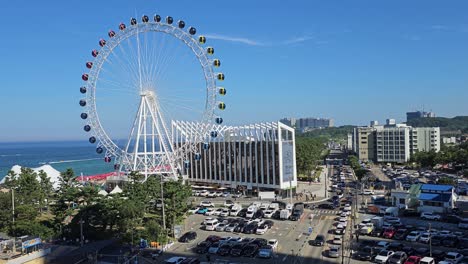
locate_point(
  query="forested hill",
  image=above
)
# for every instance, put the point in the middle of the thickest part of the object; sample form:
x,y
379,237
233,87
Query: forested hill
x,y
445,124
333,133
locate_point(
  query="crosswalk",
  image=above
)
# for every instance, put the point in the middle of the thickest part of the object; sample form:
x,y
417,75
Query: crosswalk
x,y
324,211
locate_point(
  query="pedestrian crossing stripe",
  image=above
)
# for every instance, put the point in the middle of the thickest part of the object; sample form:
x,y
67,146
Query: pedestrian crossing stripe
x,y
325,211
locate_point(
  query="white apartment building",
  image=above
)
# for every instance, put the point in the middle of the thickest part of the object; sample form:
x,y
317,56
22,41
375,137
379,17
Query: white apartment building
x,y
393,142
425,139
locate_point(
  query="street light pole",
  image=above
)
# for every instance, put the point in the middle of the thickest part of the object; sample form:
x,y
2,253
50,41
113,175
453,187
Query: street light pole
x,y
430,241
290,190
81,232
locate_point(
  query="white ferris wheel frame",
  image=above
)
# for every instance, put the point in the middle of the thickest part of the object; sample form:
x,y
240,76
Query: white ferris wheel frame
x,y
180,152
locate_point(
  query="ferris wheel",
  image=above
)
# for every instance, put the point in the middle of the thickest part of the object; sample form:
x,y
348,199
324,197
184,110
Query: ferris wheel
x,y
141,79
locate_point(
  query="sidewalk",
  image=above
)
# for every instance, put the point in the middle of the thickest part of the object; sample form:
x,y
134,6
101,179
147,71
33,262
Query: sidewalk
x,y
317,189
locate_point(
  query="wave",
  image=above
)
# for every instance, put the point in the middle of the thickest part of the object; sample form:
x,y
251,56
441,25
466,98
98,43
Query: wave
x,y
10,155
67,161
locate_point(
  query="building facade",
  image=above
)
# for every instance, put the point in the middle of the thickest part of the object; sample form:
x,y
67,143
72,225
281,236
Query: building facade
x,y
253,157
418,114
394,143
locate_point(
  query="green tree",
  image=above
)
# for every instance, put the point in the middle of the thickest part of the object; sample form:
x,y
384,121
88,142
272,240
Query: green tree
x,y
45,191
176,194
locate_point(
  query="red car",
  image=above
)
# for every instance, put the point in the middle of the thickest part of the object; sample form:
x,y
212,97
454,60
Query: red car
x,y
389,233
413,260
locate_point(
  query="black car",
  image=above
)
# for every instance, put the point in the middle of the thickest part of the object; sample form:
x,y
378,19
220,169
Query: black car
x,y
203,247
377,232
224,250
240,228
438,255
187,237
251,228
326,206
269,223
450,241
455,219
400,234
437,240
242,212
368,243
318,241
395,246
250,250
408,250
276,215
296,215
236,250
463,243
259,214
366,253
190,261
260,242
422,252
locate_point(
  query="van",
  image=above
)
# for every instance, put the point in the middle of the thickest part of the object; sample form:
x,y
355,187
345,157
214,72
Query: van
x,y
427,260
211,224
463,223
251,210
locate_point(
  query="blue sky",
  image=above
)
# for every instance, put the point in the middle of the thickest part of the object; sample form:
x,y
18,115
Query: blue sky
x,y
353,61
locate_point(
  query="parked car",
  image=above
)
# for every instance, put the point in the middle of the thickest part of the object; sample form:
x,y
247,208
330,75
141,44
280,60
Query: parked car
x,y
273,243
453,257
430,216
187,237
231,227
398,257
265,252
454,219
389,233
228,203
413,260
401,234
213,249
224,249
250,250
206,204
366,253
425,237
395,246
334,251
202,210
220,227
193,210
174,260
450,241
383,256
236,250
413,236
261,229
203,247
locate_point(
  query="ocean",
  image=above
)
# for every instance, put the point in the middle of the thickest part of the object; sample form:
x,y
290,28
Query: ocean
x,y
80,156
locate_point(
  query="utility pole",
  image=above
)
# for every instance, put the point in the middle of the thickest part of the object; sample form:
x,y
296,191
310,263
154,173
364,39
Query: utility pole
x,y
290,190
430,241
13,215
162,204
81,232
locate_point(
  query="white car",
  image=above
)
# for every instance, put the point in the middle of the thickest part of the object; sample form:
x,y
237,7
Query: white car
x,y
211,195
224,212
273,243
429,216
193,210
368,192
383,256
220,227
234,240
343,219
262,229
210,211
203,193
425,237
268,213
219,194
218,211
174,260
413,236
347,208
228,203
208,219
445,233
337,240
206,204
453,257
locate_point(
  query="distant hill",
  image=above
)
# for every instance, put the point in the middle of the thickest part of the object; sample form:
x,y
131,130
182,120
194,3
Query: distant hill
x,y
458,123
334,133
